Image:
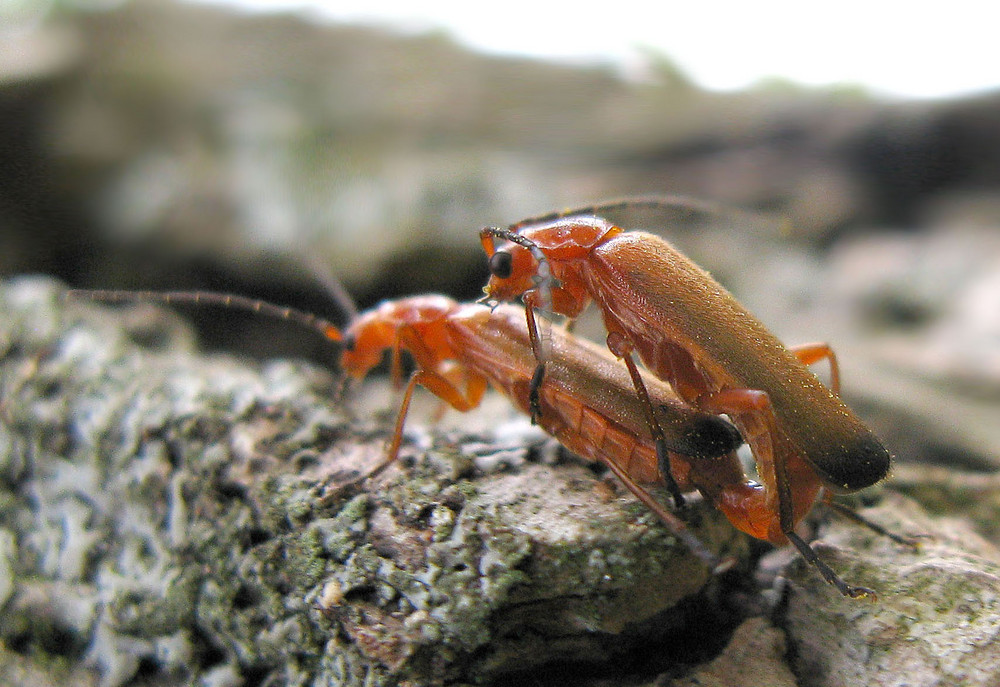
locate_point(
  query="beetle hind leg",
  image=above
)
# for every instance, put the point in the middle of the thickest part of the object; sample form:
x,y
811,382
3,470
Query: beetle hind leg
x,y
842,510
827,572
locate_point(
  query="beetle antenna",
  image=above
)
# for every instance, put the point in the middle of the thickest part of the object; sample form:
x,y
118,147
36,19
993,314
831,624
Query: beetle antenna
x,y
334,288
665,203
673,210
223,300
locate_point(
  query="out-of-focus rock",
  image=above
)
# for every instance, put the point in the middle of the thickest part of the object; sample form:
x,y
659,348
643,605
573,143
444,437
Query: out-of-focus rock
x,y
949,492
918,332
181,145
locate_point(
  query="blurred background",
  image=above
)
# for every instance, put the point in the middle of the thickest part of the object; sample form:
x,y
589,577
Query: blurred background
x,y
855,161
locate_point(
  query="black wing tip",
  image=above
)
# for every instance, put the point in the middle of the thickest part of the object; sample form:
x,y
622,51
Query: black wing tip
x,y
857,465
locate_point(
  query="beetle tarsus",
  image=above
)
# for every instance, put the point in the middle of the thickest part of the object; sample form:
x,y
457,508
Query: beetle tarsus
x,y
827,572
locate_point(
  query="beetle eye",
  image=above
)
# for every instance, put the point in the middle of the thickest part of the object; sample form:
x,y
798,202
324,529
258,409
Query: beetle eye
x,y
350,341
501,264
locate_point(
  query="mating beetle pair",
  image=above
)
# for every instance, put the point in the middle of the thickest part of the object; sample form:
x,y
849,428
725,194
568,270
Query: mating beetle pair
x,y
690,333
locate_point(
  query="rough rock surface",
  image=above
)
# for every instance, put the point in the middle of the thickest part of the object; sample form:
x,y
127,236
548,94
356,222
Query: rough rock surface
x,y
173,516
937,621
170,516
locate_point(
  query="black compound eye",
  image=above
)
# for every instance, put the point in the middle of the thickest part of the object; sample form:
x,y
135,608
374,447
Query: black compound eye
x,y
501,264
350,342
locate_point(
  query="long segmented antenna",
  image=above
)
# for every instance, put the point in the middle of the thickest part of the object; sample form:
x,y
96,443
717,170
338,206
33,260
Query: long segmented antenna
x,y
333,287
223,300
668,202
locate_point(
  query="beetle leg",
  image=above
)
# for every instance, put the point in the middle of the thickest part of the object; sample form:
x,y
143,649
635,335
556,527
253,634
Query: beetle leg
x,y
753,407
831,577
534,402
622,348
540,357
752,410
459,375
681,372
814,352
392,453
396,364
441,387
813,558
675,524
851,515
753,413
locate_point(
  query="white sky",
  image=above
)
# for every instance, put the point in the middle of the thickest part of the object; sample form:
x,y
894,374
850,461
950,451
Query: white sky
x,y
908,49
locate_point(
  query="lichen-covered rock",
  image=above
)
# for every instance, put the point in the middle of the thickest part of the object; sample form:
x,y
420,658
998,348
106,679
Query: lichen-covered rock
x,y
937,619
169,516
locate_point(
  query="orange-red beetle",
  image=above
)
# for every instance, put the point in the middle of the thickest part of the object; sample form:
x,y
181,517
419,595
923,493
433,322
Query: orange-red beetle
x,y
689,331
588,402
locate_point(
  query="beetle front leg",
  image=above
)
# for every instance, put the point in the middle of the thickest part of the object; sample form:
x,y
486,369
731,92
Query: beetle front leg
x,y
534,402
622,348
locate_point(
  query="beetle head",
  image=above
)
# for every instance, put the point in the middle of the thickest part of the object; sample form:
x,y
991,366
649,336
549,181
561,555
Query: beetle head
x,y
515,267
